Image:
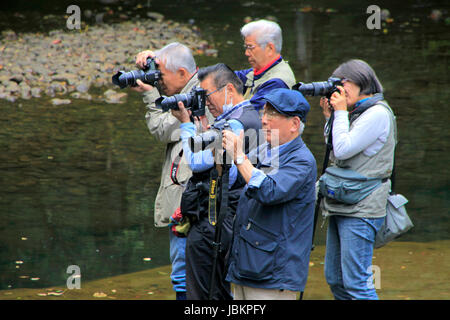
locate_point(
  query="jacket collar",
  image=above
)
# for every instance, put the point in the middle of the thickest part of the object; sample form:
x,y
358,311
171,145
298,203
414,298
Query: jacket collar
x,y
271,156
260,72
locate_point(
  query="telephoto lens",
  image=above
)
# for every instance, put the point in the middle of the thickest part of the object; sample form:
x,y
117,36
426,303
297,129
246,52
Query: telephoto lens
x,y
150,75
321,88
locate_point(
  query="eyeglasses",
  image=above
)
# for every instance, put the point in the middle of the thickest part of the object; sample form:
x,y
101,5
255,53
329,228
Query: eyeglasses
x,y
207,96
270,114
249,47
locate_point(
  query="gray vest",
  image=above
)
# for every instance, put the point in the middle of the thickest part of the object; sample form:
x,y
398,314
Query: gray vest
x,y
281,71
379,165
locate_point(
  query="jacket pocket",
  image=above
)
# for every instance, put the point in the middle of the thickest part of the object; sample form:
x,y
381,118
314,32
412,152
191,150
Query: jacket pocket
x,y
256,253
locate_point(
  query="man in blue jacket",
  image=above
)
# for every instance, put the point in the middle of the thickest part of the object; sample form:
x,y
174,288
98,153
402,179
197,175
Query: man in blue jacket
x,y
274,217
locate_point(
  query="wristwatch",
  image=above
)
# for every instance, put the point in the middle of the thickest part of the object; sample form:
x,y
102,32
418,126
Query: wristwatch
x,y
240,159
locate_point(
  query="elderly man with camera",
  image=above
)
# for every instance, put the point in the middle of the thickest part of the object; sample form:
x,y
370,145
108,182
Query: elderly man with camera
x,y
211,195
263,43
178,74
274,218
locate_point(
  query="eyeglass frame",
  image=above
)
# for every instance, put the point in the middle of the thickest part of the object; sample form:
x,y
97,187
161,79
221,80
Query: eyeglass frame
x,y
207,96
249,47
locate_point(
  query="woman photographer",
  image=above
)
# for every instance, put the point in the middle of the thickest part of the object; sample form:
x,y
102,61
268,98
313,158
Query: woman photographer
x,y
363,141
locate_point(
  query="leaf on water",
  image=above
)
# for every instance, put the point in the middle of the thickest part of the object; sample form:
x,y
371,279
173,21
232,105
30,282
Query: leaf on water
x,y
99,295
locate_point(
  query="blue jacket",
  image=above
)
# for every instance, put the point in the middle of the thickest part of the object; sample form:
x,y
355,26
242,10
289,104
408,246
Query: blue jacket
x,y
274,221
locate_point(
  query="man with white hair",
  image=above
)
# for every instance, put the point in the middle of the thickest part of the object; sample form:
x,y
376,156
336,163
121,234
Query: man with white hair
x,y
178,75
263,42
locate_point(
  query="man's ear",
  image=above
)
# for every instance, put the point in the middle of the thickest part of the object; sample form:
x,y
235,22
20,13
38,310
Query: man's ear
x,y
295,124
182,72
271,47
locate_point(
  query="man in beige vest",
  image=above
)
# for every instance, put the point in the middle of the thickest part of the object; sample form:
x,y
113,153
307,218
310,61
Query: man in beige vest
x,y
179,75
263,43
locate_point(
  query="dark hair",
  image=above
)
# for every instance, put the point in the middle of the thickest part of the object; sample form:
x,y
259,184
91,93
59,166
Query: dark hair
x,y
360,73
221,75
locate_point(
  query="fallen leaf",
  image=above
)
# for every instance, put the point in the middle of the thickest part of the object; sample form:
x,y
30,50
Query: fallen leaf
x,y
99,295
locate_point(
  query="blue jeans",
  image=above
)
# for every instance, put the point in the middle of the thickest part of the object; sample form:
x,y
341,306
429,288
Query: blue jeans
x,y
177,257
348,258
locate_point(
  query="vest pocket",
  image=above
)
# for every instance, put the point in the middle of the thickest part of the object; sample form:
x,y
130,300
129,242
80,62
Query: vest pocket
x,y
256,254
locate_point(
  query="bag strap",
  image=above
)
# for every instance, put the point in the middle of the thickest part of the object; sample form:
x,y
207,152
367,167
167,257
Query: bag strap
x,y
384,104
329,128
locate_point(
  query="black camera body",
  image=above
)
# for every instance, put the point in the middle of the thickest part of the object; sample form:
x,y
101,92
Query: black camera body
x,y
207,138
321,88
194,100
150,75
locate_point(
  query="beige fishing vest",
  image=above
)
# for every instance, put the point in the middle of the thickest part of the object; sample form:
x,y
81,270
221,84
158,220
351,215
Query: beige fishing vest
x,y
379,165
281,71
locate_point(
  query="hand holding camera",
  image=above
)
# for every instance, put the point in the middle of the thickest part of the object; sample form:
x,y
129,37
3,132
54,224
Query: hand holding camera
x,y
181,113
338,100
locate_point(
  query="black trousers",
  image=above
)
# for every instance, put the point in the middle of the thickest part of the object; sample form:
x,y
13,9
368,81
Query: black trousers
x,y
199,260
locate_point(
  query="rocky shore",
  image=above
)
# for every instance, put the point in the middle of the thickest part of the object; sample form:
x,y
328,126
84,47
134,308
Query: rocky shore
x,y
67,64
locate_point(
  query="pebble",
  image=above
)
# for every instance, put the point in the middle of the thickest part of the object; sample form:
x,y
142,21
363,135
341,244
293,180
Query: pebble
x,y
65,61
57,101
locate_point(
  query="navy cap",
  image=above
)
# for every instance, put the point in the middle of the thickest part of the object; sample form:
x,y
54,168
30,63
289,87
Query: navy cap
x,y
288,102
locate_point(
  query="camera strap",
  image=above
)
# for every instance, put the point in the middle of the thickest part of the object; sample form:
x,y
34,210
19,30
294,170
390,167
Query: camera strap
x,y
212,199
174,168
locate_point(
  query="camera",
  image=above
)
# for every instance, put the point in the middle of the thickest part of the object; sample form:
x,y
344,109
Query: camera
x,y
150,75
322,88
205,139
194,100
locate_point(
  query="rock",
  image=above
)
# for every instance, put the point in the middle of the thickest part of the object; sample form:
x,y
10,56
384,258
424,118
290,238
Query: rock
x,y
36,92
112,96
66,77
58,102
83,87
50,92
9,35
79,95
58,87
12,86
25,92
155,16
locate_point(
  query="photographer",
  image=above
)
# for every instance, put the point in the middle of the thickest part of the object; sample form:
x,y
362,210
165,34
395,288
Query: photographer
x,y
179,75
263,42
225,102
274,217
363,143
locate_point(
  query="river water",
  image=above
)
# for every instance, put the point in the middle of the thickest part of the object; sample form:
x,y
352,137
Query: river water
x,y
78,182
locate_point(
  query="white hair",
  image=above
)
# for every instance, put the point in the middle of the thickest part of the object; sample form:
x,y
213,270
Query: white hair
x,y
265,31
175,56
302,127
